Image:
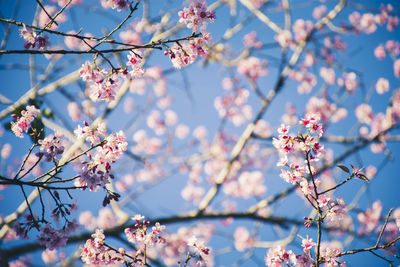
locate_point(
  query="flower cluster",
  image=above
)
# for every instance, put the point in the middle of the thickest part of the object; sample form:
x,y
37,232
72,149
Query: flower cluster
x,y
253,68
183,54
279,256
51,146
192,239
140,235
392,47
248,184
196,15
369,220
308,143
369,22
32,39
96,252
23,122
98,171
243,239
115,4
103,85
55,238
306,79
234,106
199,249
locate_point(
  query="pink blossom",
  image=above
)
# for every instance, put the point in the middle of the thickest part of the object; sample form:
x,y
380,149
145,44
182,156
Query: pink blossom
x,y
200,132
309,59
382,86
74,111
396,215
253,68
106,218
49,256
193,192
5,151
393,47
181,131
51,10
243,239
87,219
94,252
301,29
115,4
380,52
29,36
129,105
319,11
51,146
91,73
171,117
233,106
250,40
392,23
367,23
329,250
23,122
396,68
262,129
196,15
53,238
247,185
354,19
307,80
328,75
145,144
349,81
42,41
131,36
278,257
307,244
337,211
258,3
364,113
72,42
369,220
284,38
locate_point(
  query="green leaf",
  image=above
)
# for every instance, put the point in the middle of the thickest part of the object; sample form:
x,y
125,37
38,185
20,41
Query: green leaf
x,y
344,168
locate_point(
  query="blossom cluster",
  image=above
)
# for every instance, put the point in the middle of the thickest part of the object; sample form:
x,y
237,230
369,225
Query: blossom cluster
x,y
48,236
196,15
32,39
233,106
24,121
307,143
51,147
140,234
56,238
253,68
368,22
96,251
279,256
98,171
104,86
191,239
199,249
115,4
185,53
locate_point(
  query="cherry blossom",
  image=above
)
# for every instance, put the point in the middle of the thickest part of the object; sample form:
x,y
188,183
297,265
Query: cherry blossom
x,y
196,16
24,121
